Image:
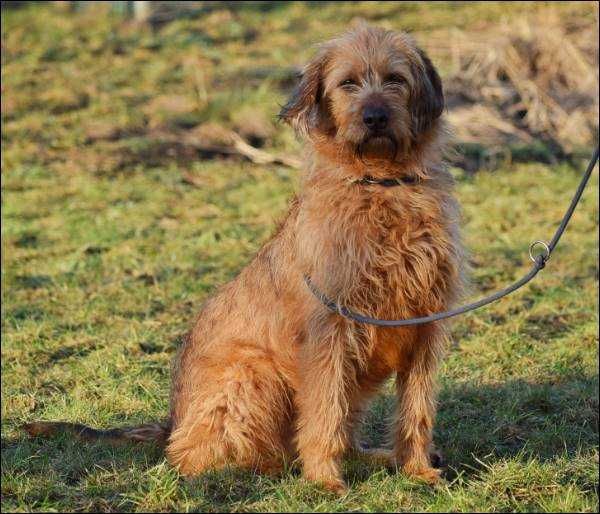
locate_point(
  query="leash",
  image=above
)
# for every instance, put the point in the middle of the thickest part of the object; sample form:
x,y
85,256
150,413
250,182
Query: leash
x,y
539,262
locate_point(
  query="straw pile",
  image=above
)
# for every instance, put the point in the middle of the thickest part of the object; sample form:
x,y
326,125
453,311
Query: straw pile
x,y
523,83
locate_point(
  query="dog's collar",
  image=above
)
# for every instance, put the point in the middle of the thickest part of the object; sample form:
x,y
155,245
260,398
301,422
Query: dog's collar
x,y
388,182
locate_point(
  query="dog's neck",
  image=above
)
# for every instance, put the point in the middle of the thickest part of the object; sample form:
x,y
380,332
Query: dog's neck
x,y
368,171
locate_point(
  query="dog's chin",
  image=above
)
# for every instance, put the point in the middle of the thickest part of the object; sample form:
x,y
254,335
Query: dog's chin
x,y
377,146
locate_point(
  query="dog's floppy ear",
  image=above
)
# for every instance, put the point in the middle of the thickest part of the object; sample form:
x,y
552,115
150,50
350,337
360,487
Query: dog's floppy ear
x,y
302,109
428,96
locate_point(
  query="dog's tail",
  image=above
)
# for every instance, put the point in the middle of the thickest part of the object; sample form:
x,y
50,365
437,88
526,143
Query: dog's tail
x,y
155,432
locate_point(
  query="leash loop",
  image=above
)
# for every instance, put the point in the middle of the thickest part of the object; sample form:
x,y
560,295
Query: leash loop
x,y
539,262
546,251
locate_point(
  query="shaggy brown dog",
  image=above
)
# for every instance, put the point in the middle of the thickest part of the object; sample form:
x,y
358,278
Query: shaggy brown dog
x,y
268,373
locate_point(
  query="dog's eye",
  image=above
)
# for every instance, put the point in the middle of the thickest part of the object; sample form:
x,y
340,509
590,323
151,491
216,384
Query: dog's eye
x,y
395,79
348,82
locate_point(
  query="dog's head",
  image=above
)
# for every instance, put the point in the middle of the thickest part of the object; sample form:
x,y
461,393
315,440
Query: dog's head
x,y
371,91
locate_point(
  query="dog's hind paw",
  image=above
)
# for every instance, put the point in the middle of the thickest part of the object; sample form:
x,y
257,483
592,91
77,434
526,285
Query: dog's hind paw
x,y
428,475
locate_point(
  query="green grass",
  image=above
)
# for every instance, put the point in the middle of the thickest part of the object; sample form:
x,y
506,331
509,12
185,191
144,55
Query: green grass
x,y
108,255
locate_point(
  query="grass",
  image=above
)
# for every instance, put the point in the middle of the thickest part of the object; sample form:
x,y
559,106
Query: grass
x,y
108,253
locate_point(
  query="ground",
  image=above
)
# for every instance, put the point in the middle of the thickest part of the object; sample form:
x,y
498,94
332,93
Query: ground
x,y
112,239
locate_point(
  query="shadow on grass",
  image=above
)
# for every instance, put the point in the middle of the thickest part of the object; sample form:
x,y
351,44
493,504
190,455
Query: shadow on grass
x,y
493,422
72,474
37,473
487,423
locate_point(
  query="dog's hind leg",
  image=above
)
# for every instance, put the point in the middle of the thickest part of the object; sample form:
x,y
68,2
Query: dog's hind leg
x,y
237,416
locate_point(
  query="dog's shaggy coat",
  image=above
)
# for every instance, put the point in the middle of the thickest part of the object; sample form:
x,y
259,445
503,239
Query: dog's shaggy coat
x,y
268,374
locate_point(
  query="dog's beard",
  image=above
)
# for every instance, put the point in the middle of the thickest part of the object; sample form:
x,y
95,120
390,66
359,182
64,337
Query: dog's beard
x,y
377,147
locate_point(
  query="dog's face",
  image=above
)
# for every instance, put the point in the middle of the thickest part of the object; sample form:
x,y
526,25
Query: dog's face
x,y
371,91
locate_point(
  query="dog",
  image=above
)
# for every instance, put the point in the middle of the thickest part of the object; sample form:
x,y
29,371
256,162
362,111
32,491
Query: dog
x,y
268,374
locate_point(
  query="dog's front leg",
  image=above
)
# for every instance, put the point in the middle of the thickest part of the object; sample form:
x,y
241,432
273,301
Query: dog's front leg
x,y
326,380
415,410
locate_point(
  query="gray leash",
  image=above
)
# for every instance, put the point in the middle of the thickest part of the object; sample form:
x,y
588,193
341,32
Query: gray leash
x,y
539,261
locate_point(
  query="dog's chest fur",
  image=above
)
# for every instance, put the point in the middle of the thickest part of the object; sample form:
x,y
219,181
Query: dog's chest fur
x,y
387,252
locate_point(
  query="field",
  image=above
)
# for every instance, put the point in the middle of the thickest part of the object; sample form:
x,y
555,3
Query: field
x,y
117,224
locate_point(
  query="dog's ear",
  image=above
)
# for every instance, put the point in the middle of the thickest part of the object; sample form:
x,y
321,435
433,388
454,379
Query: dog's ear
x,y
428,96
302,108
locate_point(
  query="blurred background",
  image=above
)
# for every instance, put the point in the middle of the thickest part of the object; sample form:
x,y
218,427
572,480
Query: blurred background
x,y
143,166
128,83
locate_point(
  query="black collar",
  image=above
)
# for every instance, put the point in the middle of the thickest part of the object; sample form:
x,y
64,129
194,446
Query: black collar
x,y
388,182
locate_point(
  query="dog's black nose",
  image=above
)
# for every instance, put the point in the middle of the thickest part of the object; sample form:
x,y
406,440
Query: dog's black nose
x,y
375,117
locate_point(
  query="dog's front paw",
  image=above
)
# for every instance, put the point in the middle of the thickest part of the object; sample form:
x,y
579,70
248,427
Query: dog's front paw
x,y
326,473
335,485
